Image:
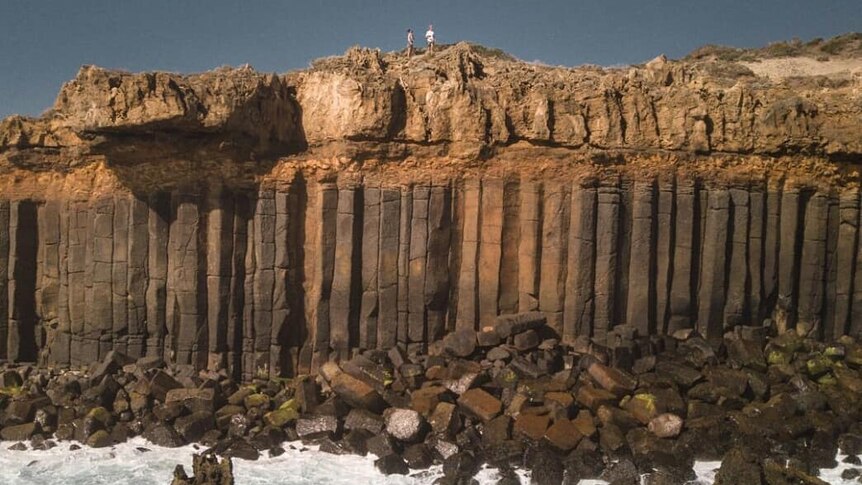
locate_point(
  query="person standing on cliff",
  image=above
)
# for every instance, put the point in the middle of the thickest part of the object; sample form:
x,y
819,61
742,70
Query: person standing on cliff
x,y
409,43
429,38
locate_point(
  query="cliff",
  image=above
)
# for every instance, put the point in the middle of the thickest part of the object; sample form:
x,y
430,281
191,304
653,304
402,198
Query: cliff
x,y
266,222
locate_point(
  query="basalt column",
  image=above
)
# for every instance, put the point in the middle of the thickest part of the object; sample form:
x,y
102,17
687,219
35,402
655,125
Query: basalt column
x,y
387,273
220,219
186,298
23,243
812,268
580,274
416,331
54,349
683,285
137,276
607,237
556,205
490,249
468,298
158,224
437,264
641,289
529,247
848,239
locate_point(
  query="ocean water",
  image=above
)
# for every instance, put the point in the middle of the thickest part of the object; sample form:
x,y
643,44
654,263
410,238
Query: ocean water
x,y
128,463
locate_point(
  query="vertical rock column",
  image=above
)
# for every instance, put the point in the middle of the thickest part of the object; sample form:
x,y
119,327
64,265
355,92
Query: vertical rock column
x,y
580,273
371,249
812,268
664,227
98,327
219,254
120,276
4,278
640,311
771,242
416,330
185,313
137,276
830,268
341,316
713,279
280,356
55,349
405,229
556,205
790,242
848,239
158,229
76,264
490,249
236,324
23,243
607,238
387,273
756,231
684,272
437,264
529,247
322,255
468,297
264,279
735,307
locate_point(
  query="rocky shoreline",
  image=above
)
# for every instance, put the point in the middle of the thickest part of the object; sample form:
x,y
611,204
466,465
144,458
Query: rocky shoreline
x,y
773,408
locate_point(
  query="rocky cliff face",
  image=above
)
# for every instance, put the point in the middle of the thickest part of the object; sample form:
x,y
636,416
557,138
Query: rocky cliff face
x,y
267,223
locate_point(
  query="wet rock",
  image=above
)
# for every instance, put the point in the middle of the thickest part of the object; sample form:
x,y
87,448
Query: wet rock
x,y
240,448
479,404
381,445
488,338
193,426
623,471
163,434
20,432
462,465
391,464
99,439
161,383
418,456
207,469
19,446
365,420
404,424
546,468
317,426
738,468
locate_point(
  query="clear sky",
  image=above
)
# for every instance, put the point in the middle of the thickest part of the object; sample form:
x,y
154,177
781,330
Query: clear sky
x,y
44,42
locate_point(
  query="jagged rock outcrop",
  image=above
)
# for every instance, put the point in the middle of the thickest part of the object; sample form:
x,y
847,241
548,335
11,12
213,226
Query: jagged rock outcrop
x,y
265,224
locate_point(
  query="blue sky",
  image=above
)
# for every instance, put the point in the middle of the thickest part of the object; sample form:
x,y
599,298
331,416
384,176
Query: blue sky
x,y
44,42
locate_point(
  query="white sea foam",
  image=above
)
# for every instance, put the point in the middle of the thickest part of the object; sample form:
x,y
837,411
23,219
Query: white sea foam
x,y
129,463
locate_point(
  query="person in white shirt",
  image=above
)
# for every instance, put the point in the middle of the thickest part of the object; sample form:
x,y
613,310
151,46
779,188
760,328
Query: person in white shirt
x,y
429,38
409,43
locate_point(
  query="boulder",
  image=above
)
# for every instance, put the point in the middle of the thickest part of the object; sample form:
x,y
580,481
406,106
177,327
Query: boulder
x,y
193,426
563,435
666,425
511,324
392,464
19,432
479,404
525,341
461,343
207,469
531,426
163,434
362,419
613,380
317,426
404,424
356,393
